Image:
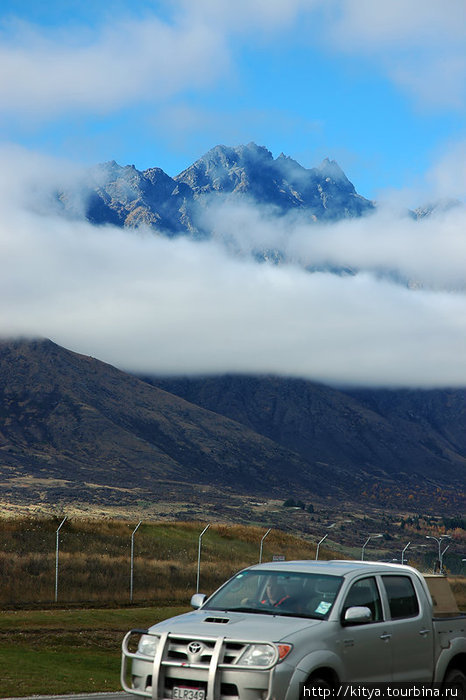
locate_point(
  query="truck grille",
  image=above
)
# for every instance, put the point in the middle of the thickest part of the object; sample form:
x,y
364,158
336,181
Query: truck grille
x,y
210,664
200,652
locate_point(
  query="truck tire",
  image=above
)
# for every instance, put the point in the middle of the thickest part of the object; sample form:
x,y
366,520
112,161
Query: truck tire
x,y
319,682
456,679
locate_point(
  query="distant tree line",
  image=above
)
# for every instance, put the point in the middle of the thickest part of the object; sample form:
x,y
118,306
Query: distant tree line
x,y
455,522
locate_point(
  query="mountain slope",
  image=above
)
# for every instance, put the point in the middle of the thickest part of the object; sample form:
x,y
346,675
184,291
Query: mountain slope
x,y
376,434
71,426
69,417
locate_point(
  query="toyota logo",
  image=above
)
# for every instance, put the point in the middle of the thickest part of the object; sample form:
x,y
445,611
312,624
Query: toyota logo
x,y
195,648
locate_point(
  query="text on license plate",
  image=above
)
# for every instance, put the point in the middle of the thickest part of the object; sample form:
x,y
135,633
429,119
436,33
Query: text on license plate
x,y
189,693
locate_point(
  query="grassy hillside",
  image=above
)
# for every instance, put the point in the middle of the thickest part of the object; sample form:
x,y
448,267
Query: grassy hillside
x,y
94,559
94,564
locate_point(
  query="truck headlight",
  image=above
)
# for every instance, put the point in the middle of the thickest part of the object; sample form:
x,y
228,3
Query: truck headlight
x,y
148,645
263,654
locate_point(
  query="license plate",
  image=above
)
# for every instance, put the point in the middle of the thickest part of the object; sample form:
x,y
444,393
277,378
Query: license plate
x,y
188,693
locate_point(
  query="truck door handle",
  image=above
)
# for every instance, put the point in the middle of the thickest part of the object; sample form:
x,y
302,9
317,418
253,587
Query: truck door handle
x,y
385,635
424,633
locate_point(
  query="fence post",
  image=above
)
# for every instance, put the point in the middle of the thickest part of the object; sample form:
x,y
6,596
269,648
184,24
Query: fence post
x,y
132,563
262,542
199,557
56,558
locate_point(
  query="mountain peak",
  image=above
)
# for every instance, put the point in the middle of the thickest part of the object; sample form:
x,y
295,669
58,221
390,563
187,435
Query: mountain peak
x,y
253,149
330,168
227,169
437,207
251,170
241,154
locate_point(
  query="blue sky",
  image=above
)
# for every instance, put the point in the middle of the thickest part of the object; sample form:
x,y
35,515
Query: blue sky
x,y
379,89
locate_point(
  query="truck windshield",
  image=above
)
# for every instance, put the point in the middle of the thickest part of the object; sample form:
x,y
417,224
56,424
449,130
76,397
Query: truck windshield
x,y
278,593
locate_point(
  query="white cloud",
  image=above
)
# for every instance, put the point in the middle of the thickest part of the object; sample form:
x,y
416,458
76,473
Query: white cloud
x,y
246,16
398,23
420,44
428,253
125,61
448,176
156,305
55,72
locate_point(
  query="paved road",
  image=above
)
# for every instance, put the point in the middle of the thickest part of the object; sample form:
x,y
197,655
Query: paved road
x,y
80,696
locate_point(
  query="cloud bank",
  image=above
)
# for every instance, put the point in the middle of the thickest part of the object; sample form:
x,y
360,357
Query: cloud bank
x,y
391,243
149,304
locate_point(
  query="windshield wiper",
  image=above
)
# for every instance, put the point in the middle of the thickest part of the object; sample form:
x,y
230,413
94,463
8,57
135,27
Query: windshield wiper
x,y
270,611
259,611
306,616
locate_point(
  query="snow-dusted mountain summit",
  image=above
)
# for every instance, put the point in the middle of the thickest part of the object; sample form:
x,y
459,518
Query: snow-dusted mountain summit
x,y
125,196
275,210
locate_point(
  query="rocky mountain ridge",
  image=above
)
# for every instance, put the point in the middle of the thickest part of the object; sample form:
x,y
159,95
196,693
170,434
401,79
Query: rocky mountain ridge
x,y
254,205
324,192
125,196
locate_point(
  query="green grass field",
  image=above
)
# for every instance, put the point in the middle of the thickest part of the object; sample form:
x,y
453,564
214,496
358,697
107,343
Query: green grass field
x,y
67,651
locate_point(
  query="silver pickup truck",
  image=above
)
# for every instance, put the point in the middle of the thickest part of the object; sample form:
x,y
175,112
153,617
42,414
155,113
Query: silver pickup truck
x,y
276,631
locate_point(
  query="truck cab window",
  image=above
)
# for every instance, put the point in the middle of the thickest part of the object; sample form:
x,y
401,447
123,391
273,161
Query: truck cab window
x,y
365,593
401,596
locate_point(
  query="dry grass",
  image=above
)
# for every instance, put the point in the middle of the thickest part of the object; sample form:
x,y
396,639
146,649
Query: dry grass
x,y
94,559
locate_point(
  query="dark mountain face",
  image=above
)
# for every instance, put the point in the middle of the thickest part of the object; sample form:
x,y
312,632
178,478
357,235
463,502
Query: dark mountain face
x,y
72,423
371,434
438,417
65,416
124,196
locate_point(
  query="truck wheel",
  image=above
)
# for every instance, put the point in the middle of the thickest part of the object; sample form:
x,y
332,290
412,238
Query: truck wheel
x,y
456,679
319,682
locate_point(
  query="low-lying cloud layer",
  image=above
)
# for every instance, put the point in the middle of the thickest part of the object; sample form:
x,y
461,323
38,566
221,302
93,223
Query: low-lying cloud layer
x,y
390,244
150,304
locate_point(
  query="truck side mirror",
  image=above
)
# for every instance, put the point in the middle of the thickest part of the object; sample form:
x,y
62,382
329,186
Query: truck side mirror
x,y
357,615
197,600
